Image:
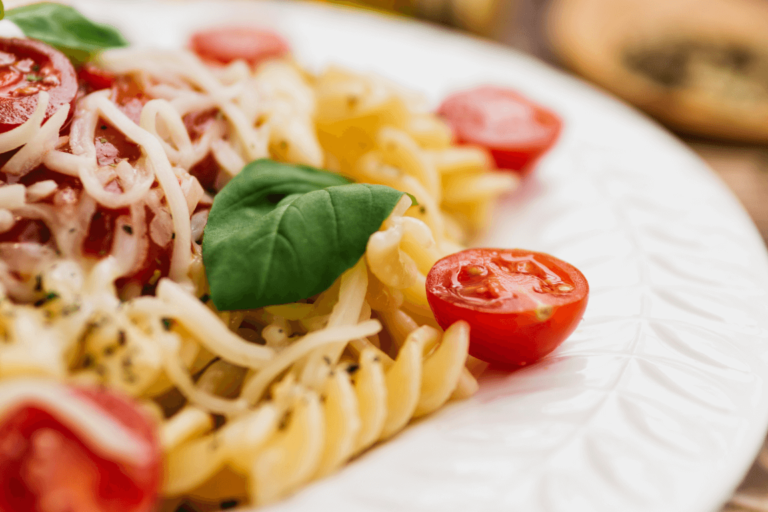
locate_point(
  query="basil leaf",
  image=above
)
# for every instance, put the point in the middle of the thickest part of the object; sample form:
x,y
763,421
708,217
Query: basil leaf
x,y
278,233
66,29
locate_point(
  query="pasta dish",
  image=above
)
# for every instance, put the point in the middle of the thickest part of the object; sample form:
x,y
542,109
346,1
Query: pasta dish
x,y
216,267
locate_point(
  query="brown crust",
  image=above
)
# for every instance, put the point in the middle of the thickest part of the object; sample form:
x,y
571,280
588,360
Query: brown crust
x,y
594,36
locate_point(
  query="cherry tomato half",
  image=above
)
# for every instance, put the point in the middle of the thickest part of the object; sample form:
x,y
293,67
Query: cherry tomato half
x,y
95,78
44,466
232,43
27,67
520,304
515,130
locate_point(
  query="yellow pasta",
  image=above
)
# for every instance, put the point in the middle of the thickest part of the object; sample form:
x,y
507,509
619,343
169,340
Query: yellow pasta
x,y
187,424
293,455
371,393
443,369
250,404
403,381
342,422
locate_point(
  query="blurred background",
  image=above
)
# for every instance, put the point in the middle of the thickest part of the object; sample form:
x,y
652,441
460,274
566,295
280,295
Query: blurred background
x,y
700,67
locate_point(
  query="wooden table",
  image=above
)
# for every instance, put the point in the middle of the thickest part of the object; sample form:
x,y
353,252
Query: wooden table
x,y
745,170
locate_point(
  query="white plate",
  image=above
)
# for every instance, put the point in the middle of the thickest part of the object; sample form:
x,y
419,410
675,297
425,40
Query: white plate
x,y
658,401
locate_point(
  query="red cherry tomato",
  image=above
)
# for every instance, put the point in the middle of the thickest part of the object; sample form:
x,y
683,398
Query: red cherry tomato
x,y
515,130
95,78
232,43
129,96
111,147
520,304
26,68
45,467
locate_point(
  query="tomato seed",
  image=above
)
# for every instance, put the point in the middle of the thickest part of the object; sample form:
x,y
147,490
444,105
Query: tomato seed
x,y
543,313
25,91
475,270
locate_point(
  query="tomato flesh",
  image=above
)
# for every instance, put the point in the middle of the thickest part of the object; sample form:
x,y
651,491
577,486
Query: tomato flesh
x,y
129,96
111,147
515,130
206,170
45,467
95,78
228,44
520,304
28,67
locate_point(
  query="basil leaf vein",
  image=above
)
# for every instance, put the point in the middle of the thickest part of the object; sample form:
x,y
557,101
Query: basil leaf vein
x,y
64,28
278,233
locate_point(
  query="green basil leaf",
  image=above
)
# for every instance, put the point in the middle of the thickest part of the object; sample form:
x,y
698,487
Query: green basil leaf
x,y
2,10
278,233
66,29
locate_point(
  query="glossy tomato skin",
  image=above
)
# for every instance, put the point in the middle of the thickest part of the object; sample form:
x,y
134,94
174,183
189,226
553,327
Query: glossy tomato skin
x,y
520,305
27,67
227,44
45,466
95,78
515,130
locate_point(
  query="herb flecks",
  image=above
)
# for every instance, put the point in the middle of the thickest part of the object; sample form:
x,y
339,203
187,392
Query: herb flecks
x,y
50,296
168,323
70,309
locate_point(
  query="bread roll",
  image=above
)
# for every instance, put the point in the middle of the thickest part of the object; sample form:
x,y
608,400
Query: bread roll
x,y
701,66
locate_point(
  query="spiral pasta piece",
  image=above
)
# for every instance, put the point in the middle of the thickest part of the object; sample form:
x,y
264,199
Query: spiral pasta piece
x,y
342,422
442,369
293,455
371,393
403,381
191,464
